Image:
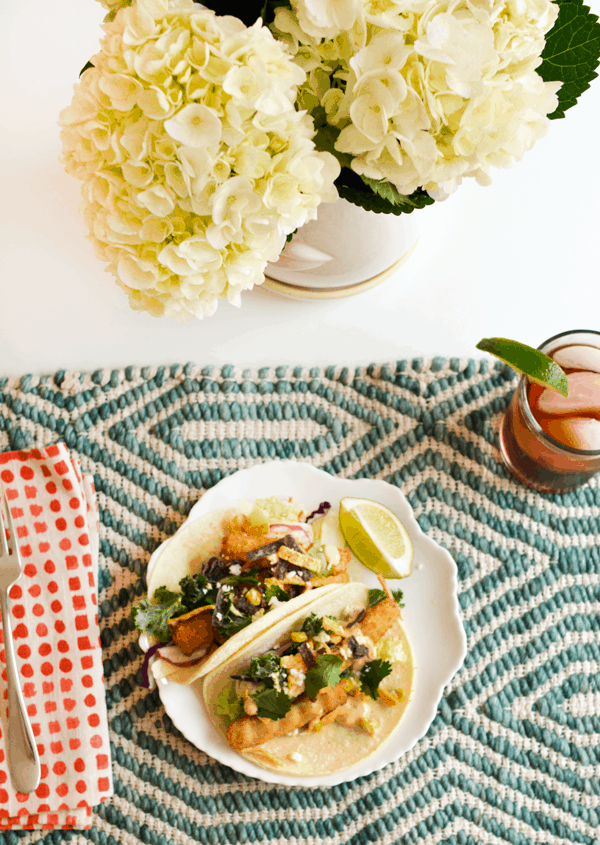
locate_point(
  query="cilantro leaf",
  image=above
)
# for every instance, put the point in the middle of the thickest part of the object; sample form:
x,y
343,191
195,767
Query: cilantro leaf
x,y
272,704
376,596
326,673
571,53
152,617
229,705
372,675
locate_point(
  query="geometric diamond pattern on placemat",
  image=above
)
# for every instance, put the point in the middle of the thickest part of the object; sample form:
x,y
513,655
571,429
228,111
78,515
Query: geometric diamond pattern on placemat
x,y
513,755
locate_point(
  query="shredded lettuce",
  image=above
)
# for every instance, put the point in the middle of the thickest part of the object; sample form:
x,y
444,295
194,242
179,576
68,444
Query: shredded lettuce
x,y
268,511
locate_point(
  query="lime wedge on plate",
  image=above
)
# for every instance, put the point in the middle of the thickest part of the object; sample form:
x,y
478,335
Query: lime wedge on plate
x,y
377,537
529,361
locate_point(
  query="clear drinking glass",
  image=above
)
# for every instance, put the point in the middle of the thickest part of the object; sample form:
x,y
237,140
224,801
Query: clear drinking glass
x,y
530,451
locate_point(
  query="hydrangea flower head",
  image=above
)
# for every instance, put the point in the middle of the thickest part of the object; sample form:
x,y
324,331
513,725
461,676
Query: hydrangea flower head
x,y
424,93
194,160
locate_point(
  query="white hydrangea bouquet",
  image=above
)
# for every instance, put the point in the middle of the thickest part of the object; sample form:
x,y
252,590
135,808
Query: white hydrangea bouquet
x,y
205,137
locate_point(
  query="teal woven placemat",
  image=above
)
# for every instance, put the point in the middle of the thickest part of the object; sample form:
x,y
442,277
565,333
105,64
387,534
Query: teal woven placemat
x,y
513,755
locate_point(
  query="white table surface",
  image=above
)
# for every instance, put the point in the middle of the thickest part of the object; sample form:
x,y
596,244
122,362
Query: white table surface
x,y
518,258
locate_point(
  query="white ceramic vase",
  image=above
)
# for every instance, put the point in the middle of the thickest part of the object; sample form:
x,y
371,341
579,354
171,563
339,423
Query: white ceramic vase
x,y
345,251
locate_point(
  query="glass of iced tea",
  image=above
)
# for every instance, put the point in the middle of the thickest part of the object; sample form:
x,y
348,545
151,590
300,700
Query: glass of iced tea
x,y
548,441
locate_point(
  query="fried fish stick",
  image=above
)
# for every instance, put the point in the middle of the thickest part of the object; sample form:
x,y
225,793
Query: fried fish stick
x,y
379,618
238,543
342,578
251,730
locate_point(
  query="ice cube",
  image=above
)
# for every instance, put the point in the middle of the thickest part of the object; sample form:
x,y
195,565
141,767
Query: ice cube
x,y
577,432
583,398
578,358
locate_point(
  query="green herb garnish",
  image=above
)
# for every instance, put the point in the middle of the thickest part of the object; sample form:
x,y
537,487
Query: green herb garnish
x,y
268,669
275,591
153,616
372,675
312,625
197,591
272,704
376,596
326,673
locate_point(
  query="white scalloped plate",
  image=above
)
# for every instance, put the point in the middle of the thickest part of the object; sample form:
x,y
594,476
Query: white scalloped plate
x,y
431,614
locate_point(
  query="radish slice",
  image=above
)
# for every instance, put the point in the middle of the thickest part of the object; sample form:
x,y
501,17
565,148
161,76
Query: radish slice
x,y
175,657
300,530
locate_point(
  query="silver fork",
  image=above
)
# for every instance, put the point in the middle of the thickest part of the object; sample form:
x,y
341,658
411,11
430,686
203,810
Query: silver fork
x,y
23,758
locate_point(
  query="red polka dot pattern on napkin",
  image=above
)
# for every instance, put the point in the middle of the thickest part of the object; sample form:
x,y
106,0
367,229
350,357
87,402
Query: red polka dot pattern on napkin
x,y
56,636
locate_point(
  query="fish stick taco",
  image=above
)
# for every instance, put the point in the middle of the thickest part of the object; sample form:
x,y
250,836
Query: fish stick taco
x,y
226,577
319,691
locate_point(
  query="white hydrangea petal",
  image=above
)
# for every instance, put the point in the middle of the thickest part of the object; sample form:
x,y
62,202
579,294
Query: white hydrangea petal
x,y
195,125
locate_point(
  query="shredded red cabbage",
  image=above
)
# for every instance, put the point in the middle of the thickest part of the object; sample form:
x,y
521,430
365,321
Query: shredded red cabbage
x,y
320,511
146,663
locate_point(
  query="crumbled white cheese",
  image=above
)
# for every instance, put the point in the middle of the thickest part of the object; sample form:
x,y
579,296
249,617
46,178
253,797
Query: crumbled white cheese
x,y
345,652
298,675
227,588
235,569
296,757
392,649
322,637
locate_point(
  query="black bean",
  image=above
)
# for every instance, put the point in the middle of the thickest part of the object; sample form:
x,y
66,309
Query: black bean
x,y
246,606
357,649
215,569
272,548
358,619
307,656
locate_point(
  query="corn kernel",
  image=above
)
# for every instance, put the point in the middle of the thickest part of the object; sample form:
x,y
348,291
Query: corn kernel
x,y
318,726
254,596
369,725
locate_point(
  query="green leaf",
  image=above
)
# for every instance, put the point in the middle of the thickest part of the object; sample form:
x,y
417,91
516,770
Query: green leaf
x,y
326,673
272,704
275,591
152,617
268,668
376,596
197,591
229,705
312,625
572,53
247,11
372,675
378,196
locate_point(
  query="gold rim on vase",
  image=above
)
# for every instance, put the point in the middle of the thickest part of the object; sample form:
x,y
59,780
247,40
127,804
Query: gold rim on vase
x,y
306,292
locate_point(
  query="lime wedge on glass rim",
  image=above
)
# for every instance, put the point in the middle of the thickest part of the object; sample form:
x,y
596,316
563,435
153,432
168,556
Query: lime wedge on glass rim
x,y
377,537
528,361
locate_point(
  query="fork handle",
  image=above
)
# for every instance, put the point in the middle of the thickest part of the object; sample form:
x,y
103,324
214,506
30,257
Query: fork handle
x,y
23,758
